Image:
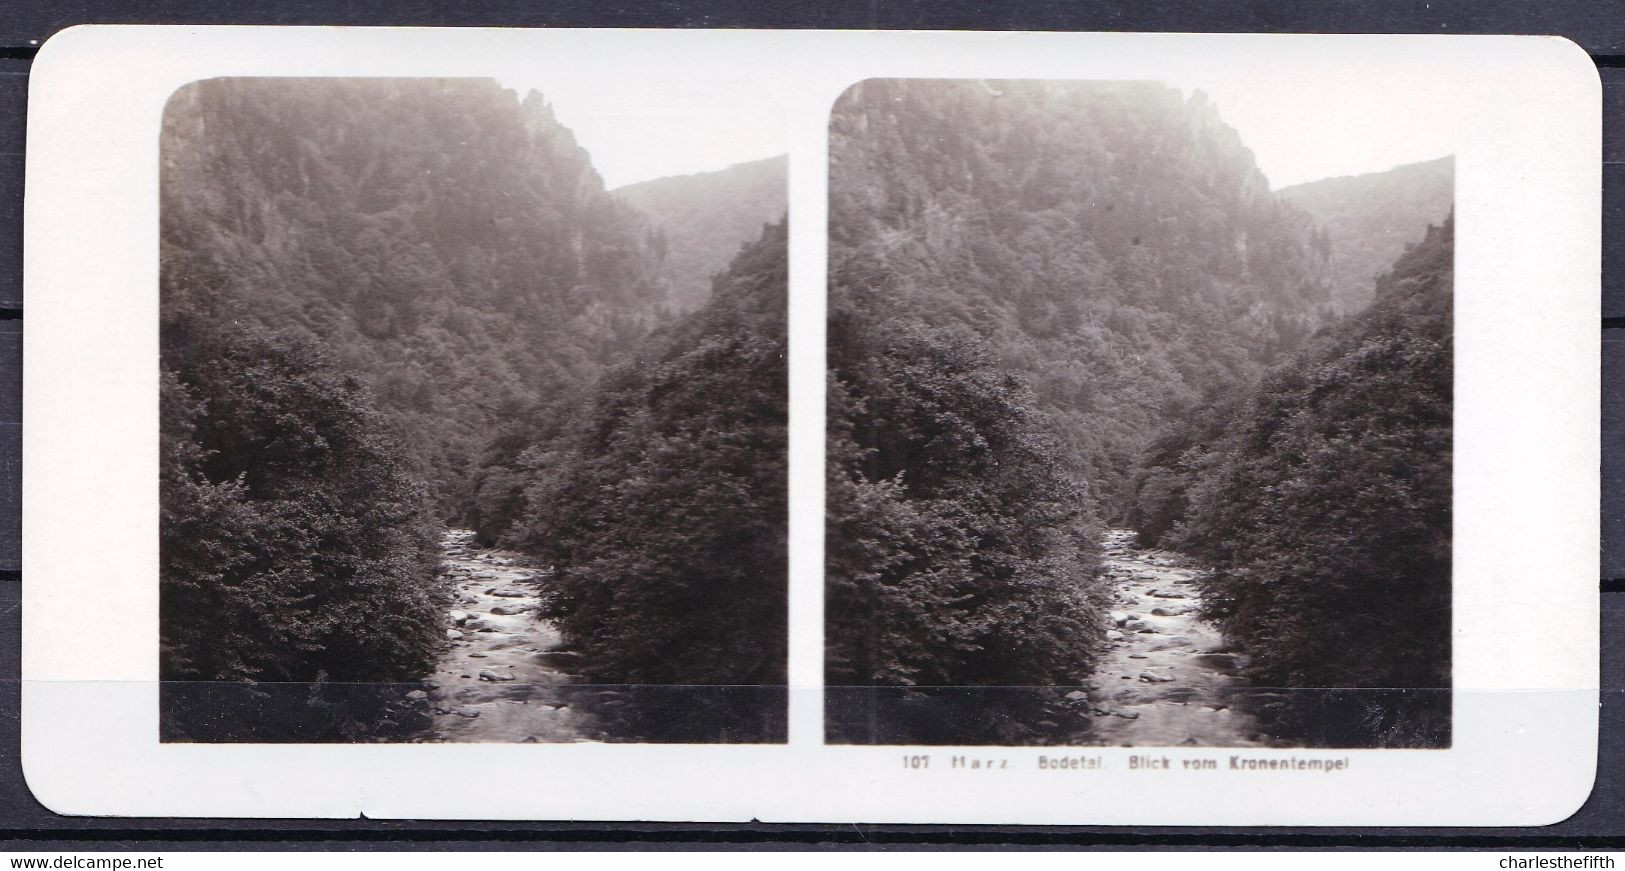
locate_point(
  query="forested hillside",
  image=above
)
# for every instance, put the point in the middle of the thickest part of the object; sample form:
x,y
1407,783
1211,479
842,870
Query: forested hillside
x,y
1370,219
1026,278
295,544
1057,305
1326,510
705,218
663,509
390,305
1113,243
448,243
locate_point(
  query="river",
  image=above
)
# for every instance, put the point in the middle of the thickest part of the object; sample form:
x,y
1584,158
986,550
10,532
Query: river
x,y
506,675
503,676
1168,679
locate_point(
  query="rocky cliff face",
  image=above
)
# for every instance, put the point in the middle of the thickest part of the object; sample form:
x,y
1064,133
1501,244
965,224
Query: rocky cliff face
x,y
450,242
1114,242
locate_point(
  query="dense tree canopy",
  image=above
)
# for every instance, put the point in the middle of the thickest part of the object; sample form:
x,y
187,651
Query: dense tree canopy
x,y
1112,242
389,304
358,277
958,552
1024,278
1327,517
1054,302
1182,453
295,545
663,509
448,242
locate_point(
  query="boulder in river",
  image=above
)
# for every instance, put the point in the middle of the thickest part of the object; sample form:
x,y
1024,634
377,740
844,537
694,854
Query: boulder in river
x,y
417,695
458,617
509,610
1114,635
453,634
1223,661
1128,715
1077,695
1119,617
487,674
1154,677
509,593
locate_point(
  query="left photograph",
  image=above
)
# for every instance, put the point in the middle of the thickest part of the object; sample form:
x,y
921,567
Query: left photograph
x,y
473,409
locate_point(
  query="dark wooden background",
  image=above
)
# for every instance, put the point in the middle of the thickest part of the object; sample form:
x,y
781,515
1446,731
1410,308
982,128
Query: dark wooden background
x,y
1599,27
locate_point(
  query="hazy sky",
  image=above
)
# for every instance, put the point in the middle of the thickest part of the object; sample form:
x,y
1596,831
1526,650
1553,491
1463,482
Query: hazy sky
x,y
638,129
1311,125
1321,124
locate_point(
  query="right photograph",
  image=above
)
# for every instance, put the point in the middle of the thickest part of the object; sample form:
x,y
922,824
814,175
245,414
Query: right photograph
x,y
1139,418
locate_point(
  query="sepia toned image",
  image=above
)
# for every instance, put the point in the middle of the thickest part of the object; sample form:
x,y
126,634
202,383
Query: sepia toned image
x,y
473,413
791,426
1138,436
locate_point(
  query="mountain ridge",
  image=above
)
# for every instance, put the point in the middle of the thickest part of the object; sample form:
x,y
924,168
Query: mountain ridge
x,y
706,218
1369,219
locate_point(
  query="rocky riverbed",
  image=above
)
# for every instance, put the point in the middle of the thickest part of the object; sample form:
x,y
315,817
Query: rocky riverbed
x,y
1168,679
503,675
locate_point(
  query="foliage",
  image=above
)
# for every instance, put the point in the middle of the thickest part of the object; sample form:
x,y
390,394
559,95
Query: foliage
x,y
957,552
1180,455
447,241
1112,242
704,219
1050,300
294,545
1327,520
392,302
663,510
1024,278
